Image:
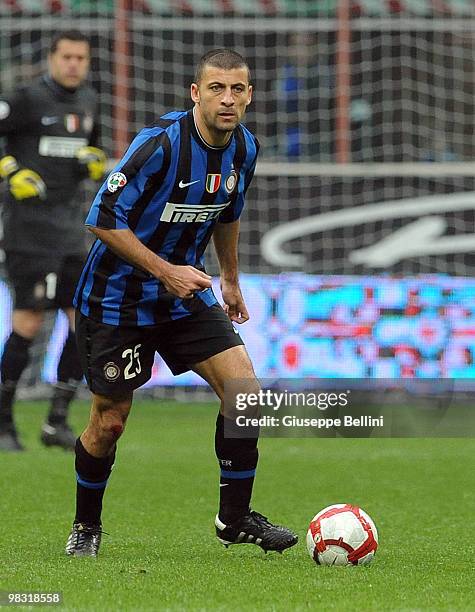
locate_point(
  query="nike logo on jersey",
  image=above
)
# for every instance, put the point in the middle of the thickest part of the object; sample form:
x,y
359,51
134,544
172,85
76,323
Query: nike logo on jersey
x,y
224,485
182,185
49,120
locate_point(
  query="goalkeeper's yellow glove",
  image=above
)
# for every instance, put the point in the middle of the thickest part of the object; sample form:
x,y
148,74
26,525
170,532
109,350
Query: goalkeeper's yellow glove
x,y
94,159
22,182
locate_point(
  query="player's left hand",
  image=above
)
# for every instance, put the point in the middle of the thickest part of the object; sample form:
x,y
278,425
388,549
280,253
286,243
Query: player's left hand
x,y
94,159
234,305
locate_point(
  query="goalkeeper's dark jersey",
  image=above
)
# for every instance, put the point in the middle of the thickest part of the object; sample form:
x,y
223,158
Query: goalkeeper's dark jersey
x,y
170,189
43,125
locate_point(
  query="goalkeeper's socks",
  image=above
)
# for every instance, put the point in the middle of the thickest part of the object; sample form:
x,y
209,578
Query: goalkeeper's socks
x,y
14,360
7,395
69,376
69,368
63,394
92,474
238,461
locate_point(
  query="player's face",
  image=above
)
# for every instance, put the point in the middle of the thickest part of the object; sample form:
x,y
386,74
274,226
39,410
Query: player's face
x,y
69,64
221,99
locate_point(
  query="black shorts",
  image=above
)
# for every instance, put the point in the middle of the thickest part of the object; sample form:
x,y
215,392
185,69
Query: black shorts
x,y
117,360
43,282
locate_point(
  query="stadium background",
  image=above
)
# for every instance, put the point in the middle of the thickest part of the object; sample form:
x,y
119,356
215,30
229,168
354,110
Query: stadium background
x,y
357,243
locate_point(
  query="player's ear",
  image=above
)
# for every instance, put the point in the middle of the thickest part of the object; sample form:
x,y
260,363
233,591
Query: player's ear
x,y
195,93
249,99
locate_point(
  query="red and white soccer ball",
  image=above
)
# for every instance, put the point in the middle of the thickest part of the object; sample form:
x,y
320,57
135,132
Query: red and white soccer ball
x,y
342,535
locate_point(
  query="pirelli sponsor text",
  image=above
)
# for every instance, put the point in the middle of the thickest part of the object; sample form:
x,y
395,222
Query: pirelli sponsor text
x,y
191,213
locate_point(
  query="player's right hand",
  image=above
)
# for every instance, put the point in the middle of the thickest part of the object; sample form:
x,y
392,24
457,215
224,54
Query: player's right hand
x,y
184,281
22,182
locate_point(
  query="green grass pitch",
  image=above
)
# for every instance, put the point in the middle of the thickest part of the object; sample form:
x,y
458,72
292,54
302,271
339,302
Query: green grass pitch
x,y
161,553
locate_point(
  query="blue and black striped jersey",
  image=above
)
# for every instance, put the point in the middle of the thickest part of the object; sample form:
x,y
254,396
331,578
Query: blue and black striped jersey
x,y
170,189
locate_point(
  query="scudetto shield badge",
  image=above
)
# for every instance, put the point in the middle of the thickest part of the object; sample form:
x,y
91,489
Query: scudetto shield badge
x,y
213,181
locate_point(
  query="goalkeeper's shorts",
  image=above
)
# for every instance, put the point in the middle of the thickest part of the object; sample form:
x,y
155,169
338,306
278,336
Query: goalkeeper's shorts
x,y
40,282
118,359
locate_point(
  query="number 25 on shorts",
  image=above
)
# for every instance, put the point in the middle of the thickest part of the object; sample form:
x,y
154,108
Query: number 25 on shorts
x,y
133,366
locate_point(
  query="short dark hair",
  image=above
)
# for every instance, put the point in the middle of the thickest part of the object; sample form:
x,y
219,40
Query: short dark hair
x,y
74,35
226,59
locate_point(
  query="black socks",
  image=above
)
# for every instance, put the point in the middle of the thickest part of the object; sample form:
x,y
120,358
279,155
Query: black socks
x,y
92,474
69,368
69,376
14,360
238,460
62,396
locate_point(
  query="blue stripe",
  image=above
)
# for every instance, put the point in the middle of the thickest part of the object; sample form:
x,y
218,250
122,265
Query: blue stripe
x,y
150,217
99,251
172,237
207,296
91,485
114,293
198,171
179,310
238,475
190,256
78,296
145,308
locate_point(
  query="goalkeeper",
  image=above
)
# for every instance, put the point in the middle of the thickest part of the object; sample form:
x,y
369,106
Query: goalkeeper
x,y
49,129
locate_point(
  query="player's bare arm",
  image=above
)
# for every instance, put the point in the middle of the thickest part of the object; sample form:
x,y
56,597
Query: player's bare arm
x,y
225,238
182,281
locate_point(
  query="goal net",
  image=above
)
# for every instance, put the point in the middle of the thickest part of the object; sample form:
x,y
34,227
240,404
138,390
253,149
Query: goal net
x,y
364,111
392,80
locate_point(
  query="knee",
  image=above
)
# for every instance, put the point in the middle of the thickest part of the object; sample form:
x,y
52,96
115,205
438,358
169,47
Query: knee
x,y
243,384
109,418
242,380
27,323
113,426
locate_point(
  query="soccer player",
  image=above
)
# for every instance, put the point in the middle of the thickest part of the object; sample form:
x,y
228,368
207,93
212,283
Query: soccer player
x,y
144,289
50,131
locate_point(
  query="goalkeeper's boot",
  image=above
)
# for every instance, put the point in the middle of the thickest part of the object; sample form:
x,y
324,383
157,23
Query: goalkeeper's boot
x,y
253,528
58,435
84,540
9,440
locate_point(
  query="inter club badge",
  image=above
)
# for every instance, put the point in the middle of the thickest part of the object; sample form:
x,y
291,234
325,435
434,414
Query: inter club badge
x,y
230,182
